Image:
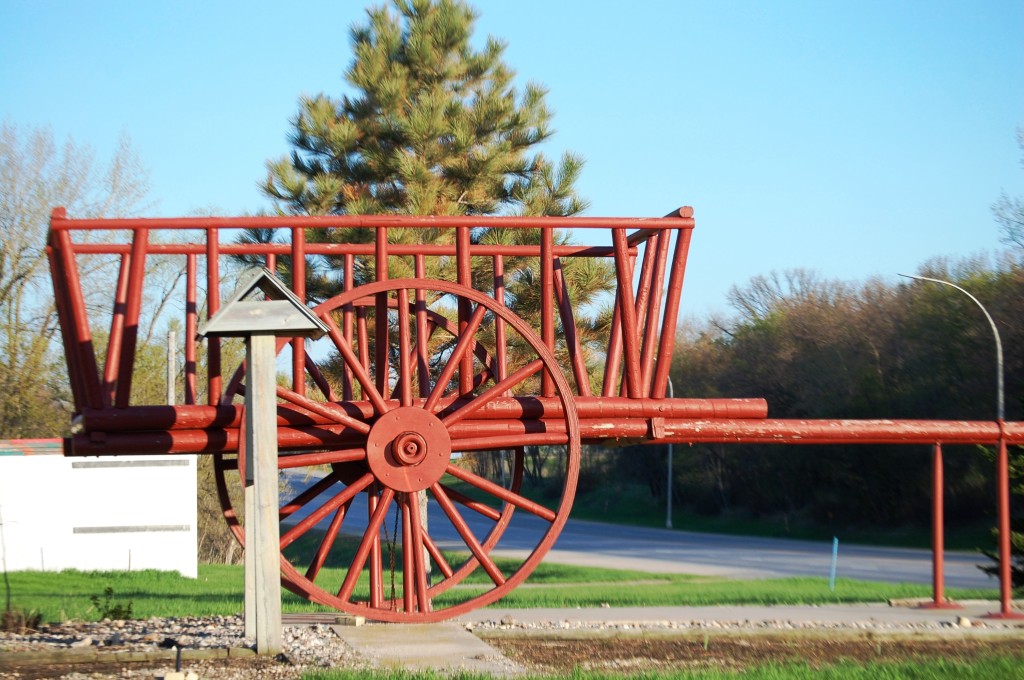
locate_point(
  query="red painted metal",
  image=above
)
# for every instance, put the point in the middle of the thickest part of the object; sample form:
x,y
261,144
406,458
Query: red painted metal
x,y
1005,557
939,600
429,373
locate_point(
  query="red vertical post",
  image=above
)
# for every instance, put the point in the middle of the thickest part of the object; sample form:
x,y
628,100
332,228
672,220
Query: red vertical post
x,y
299,288
422,331
404,348
1005,556
547,317
651,328
624,275
669,319
214,381
381,314
346,324
464,266
191,321
938,538
133,308
614,353
500,340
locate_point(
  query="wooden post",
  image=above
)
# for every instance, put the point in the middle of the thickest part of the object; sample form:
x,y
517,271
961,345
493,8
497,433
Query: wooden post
x,y
261,450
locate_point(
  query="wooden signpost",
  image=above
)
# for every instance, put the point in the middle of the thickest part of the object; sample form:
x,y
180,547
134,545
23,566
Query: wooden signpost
x,y
260,311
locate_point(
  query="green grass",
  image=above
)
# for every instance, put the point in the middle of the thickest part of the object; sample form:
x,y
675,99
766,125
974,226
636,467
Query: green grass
x,y
986,668
218,591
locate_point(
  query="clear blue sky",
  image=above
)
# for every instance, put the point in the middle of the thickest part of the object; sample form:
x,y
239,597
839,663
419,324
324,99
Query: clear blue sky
x,y
854,138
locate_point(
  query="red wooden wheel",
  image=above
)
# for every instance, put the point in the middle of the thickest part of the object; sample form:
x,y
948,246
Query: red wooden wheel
x,y
409,442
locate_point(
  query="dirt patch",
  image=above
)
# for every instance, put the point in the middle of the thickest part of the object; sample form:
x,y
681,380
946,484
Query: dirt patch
x,y
207,668
629,654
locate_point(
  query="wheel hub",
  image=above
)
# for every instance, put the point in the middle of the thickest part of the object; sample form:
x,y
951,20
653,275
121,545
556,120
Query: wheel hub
x,y
408,449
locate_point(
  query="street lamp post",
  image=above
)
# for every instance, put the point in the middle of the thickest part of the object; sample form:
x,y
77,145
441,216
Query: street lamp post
x,y
1002,464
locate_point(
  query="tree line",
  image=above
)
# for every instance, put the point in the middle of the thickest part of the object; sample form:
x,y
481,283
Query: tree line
x,y
821,348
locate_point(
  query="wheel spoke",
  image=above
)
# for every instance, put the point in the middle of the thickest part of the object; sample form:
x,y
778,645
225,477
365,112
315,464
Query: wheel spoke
x,y
353,362
330,411
370,537
502,493
466,341
499,389
418,562
324,549
461,498
467,534
437,556
376,554
321,458
319,378
306,496
408,570
314,517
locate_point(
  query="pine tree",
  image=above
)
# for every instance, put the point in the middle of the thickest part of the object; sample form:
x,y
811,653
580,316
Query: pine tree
x,y
433,126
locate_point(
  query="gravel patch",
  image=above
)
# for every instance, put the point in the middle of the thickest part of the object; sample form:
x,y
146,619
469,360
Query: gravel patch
x,y
212,647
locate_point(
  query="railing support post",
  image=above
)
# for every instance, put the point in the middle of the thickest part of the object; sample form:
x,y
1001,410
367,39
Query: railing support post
x,y
938,537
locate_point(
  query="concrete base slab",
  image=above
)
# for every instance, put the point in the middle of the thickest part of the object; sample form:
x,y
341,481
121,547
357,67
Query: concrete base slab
x,y
438,646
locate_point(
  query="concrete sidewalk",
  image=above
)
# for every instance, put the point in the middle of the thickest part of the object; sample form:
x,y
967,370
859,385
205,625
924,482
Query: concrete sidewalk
x,y
878,615
455,645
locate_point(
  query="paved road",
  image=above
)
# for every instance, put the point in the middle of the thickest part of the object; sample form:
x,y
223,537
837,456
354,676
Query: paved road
x,y
679,551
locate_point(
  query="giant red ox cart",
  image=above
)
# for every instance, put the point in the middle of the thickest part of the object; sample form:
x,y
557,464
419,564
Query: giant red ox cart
x,y
455,375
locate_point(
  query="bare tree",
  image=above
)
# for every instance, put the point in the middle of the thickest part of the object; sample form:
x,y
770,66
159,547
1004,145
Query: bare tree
x,y
1009,210
37,175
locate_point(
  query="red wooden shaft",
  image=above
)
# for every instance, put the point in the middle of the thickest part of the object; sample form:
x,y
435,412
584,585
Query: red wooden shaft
x,y
613,409
464,265
1005,554
341,249
83,351
652,327
404,347
669,320
500,339
133,307
627,314
547,300
422,331
381,316
299,288
613,356
346,324
214,381
572,340
112,364
509,433
938,543
191,321
61,223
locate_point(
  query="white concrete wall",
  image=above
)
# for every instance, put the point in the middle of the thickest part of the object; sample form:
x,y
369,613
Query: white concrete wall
x,y
118,513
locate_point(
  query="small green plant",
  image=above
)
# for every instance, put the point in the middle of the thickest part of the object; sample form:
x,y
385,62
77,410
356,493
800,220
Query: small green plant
x,y
107,609
14,619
